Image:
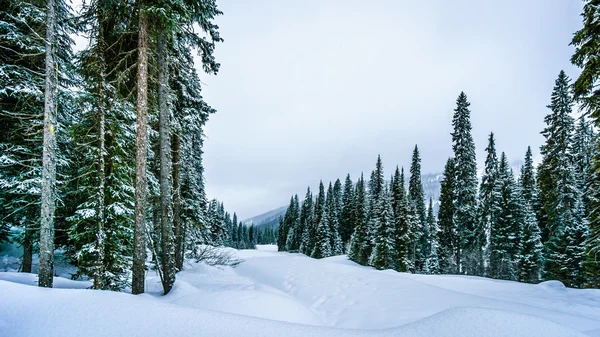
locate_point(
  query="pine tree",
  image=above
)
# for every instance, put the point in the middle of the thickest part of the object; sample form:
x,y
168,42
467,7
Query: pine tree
x,y
234,235
586,91
463,146
376,186
402,218
561,212
318,213
359,239
448,236
347,221
565,251
488,195
592,246
420,232
504,243
530,249
433,264
527,180
323,235
384,254
306,222
556,174
331,206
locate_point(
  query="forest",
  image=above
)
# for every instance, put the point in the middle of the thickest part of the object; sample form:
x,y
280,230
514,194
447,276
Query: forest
x,y
101,155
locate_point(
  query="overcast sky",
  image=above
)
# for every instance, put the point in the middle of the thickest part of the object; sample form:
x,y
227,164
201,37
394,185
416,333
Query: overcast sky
x,y
315,89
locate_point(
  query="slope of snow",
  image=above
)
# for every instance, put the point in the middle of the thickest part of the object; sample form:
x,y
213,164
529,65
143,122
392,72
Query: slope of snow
x,y
273,294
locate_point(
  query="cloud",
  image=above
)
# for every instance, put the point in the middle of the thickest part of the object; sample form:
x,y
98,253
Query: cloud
x,y
312,90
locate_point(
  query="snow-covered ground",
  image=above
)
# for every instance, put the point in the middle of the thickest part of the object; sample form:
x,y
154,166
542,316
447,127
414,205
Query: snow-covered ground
x,y
275,294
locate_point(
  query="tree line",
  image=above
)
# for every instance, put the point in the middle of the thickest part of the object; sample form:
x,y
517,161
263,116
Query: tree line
x,y
528,226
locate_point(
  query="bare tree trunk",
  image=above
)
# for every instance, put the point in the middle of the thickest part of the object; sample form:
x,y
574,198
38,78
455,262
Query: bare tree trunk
x,y
27,249
139,235
48,202
166,240
179,250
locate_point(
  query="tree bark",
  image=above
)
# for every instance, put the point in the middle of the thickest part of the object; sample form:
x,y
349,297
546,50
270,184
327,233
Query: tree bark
x,y
48,202
179,249
139,235
166,240
100,234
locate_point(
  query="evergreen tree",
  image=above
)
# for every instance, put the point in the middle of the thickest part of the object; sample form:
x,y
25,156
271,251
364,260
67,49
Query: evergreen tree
x,y
360,237
530,249
488,195
306,222
332,219
504,243
587,92
556,175
561,212
347,221
469,249
318,214
448,236
323,235
433,264
420,232
527,180
403,223
376,186
234,238
384,254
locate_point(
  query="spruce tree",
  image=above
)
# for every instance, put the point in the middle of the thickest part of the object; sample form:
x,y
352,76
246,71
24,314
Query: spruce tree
x,y
556,174
469,249
359,239
347,221
331,206
324,238
420,232
433,264
504,243
376,186
527,180
586,91
402,218
234,239
530,249
561,208
488,195
448,235
384,254
306,222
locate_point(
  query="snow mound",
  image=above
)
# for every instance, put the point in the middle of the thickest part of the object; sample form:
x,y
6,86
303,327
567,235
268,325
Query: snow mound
x,y
552,285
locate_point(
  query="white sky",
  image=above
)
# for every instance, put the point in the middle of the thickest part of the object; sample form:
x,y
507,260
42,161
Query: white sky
x,y
312,89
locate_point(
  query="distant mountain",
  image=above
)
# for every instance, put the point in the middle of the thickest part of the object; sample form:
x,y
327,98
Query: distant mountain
x,y
268,219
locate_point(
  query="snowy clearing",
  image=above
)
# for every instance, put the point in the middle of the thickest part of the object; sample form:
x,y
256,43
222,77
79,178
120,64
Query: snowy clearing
x,y
272,294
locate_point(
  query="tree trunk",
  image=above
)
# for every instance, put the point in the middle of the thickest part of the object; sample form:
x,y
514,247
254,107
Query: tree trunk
x,y
139,235
48,202
164,130
99,281
179,249
27,249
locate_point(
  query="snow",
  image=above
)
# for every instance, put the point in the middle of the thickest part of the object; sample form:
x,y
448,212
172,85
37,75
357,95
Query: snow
x,y
273,293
